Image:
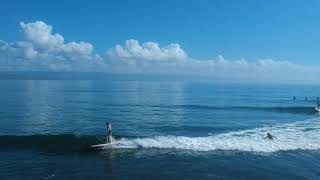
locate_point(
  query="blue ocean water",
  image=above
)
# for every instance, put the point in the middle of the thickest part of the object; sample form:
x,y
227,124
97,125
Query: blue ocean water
x,y
163,130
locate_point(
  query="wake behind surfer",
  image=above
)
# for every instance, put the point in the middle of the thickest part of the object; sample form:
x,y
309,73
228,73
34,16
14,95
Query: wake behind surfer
x,y
269,136
109,132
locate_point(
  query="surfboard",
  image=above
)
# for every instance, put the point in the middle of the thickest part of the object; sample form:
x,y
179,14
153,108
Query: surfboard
x,y
103,145
99,145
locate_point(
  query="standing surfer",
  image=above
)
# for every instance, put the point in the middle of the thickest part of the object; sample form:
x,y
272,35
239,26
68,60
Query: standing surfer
x,y
318,102
109,132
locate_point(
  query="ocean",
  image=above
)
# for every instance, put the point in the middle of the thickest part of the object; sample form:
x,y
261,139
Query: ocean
x,y
163,129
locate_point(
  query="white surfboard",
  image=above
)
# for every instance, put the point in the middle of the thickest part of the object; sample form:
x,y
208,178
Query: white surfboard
x,y
99,145
103,145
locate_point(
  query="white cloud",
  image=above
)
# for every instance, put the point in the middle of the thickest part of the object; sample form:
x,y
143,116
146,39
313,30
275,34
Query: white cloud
x,y
40,34
44,50
81,48
28,50
147,51
43,39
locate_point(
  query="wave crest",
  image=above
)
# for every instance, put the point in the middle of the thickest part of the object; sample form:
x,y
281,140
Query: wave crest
x,y
302,135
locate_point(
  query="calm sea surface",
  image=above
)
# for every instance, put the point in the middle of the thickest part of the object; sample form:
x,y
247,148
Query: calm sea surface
x,y
164,130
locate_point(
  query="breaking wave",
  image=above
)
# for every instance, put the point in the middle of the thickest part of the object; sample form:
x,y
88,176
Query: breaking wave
x,y
302,135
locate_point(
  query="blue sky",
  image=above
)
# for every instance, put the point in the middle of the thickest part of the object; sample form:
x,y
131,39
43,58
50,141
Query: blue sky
x,y
285,30
238,40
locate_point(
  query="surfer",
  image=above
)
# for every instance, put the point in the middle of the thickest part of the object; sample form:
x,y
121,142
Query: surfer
x,y
269,136
109,132
294,98
318,102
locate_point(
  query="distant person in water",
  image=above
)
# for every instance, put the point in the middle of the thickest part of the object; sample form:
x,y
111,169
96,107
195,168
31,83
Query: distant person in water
x,y
109,132
294,98
269,136
318,102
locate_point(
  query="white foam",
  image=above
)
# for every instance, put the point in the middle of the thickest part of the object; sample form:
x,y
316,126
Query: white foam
x,y
304,135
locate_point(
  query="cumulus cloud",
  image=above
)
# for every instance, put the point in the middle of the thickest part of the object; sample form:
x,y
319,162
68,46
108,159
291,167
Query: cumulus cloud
x,y
135,58
40,34
147,51
44,50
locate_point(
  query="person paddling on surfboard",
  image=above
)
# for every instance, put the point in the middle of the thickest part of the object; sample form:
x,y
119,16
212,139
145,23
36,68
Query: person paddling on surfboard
x,y
269,136
109,132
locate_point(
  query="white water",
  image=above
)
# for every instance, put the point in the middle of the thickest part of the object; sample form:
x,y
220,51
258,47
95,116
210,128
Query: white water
x,y
304,135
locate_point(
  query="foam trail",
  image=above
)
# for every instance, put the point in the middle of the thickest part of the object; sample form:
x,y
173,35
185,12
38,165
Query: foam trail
x,y
304,135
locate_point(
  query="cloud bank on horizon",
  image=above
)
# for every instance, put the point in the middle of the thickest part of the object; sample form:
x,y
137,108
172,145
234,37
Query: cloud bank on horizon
x,y
43,50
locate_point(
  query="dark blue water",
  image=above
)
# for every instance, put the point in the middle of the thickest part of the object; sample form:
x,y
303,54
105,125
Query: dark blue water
x,y
163,130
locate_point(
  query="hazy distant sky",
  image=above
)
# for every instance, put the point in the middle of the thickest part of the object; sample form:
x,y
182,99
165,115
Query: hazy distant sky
x,y
206,37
